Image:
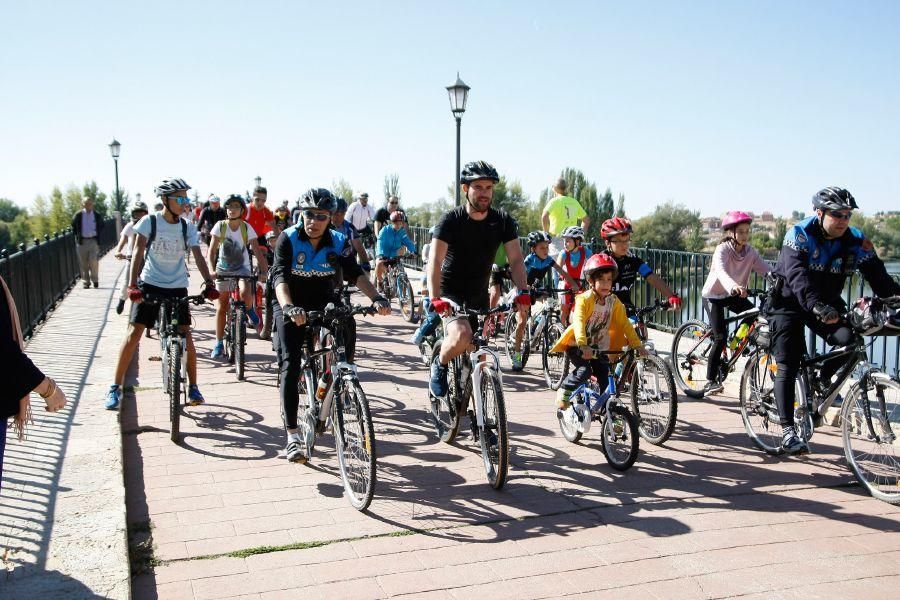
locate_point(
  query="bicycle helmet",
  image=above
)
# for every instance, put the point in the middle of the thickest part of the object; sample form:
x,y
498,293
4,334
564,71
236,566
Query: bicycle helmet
x,y
834,198
170,186
340,205
599,263
397,215
432,230
574,232
615,226
733,218
536,237
478,169
318,198
213,199
139,207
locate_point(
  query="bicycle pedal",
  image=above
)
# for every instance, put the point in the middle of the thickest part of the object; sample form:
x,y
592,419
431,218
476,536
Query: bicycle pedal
x,y
155,358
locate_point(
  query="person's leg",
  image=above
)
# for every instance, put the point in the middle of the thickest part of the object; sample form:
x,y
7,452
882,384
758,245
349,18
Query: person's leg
x,y
290,351
126,351
84,264
521,320
580,373
350,339
94,261
191,354
719,328
457,337
2,450
123,292
837,334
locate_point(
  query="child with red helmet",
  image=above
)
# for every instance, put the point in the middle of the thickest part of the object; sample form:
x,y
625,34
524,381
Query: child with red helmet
x,y
599,324
616,232
726,286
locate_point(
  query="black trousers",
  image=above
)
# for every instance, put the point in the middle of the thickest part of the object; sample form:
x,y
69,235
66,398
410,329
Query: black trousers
x,y
788,343
582,369
715,309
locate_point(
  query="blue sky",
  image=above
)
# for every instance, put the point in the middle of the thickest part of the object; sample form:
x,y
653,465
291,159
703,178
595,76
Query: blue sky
x,y
716,105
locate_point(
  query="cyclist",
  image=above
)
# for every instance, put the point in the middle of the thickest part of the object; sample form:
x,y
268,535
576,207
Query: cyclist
x,y
360,215
499,272
462,252
726,286
430,319
158,266
282,217
260,218
209,216
237,240
383,214
617,234
599,321
310,262
340,223
126,248
572,260
537,265
817,256
391,240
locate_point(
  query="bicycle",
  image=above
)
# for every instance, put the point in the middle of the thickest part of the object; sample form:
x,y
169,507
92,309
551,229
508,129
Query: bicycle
x,y
484,384
395,284
540,332
868,426
694,341
236,324
330,391
619,439
173,354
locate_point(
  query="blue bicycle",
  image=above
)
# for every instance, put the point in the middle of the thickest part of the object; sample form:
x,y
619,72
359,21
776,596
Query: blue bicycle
x,y
619,437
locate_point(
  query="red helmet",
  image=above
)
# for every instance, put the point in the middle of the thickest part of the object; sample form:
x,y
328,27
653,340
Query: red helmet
x,y
733,218
398,215
615,226
598,263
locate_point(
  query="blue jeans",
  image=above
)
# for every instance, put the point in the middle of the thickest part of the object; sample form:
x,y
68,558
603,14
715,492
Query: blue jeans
x,y
430,322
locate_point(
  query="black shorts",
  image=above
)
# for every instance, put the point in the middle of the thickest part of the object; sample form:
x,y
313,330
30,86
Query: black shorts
x,y
478,301
498,274
146,313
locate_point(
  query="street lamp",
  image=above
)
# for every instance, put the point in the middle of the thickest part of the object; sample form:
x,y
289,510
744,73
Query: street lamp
x,y
258,181
114,148
459,94
137,198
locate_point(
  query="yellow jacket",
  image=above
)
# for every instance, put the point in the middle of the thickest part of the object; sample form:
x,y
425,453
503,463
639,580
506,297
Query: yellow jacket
x,y
602,324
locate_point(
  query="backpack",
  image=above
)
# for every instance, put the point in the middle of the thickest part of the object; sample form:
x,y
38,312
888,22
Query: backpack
x,y
223,225
152,236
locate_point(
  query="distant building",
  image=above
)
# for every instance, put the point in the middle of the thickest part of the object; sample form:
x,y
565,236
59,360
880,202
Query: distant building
x,y
767,217
711,224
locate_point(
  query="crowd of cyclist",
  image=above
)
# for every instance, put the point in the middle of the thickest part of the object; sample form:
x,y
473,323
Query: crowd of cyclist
x,y
306,255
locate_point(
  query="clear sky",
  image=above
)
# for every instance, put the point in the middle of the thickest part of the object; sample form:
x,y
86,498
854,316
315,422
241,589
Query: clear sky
x,y
717,105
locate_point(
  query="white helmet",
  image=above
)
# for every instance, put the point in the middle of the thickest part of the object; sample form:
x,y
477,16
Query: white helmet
x,y
574,232
170,186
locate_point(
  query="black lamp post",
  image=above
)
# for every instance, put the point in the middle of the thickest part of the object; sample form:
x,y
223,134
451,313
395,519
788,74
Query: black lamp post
x,y
258,181
459,94
114,149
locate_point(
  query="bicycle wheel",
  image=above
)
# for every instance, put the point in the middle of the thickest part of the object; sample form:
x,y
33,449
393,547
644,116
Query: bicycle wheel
x,y
494,436
757,397
240,341
619,437
654,401
406,299
229,336
354,442
568,423
870,442
174,380
509,334
690,354
307,410
556,366
445,411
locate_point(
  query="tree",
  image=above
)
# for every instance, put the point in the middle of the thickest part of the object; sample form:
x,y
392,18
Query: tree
x,y
40,216
797,215
73,200
605,207
695,241
59,218
667,227
620,206
91,191
780,231
9,210
429,213
20,230
342,189
391,186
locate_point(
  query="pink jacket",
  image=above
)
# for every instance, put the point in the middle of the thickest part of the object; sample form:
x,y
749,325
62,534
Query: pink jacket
x,y
731,269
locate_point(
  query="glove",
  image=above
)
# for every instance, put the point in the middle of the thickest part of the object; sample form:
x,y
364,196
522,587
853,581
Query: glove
x,y
825,312
209,291
135,294
675,301
439,306
524,298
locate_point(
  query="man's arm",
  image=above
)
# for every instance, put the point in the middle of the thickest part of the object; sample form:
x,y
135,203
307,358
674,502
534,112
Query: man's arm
x,y
212,252
516,263
565,275
435,260
660,285
585,222
137,259
201,264
545,221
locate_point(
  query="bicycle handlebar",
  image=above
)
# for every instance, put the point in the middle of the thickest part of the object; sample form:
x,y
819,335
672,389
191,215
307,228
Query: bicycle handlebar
x,y
335,313
160,299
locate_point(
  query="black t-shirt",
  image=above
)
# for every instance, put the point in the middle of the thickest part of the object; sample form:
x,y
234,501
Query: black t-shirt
x,y
382,215
630,266
470,254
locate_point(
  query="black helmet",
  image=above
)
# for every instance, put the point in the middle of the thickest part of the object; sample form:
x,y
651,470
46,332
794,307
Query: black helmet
x,y
341,205
834,198
478,170
235,198
318,198
536,237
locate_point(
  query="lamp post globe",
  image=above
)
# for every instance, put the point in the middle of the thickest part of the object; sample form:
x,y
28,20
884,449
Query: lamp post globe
x,y
114,149
459,95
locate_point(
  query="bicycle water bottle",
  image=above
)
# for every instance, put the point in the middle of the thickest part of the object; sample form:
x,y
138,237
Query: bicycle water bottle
x,y
620,366
322,389
739,335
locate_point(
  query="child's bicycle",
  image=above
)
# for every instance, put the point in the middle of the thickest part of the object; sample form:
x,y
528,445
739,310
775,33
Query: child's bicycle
x,y
541,330
618,426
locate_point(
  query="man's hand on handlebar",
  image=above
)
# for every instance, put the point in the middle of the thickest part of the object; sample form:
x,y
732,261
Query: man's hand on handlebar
x,y
295,314
739,290
825,313
135,294
383,305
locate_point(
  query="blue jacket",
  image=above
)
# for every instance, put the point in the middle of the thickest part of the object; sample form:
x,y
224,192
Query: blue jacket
x,y
390,240
815,269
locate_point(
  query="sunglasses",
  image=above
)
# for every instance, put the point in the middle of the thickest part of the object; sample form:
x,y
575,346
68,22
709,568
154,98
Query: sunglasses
x,y
180,199
620,240
841,216
314,216
393,203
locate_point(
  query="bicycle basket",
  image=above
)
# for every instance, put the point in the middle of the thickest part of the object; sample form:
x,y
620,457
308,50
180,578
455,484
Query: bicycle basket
x,y
870,316
761,335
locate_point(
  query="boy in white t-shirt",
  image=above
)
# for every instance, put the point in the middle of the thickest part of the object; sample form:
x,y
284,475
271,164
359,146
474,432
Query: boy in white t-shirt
x,y
125,249
229,255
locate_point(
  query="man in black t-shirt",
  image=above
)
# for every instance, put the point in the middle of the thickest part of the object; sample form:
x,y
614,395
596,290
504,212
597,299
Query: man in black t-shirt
x,y
383,214
462,254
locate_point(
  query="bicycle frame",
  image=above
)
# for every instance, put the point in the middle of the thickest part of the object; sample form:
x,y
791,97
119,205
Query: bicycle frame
x,y
821,403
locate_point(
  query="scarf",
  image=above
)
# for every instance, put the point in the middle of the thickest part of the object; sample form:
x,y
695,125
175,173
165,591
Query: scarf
x,y
21,420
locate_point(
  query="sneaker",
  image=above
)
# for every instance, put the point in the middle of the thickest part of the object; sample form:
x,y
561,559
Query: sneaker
x,y
218,350
712,387
438,384
562,398
416,338
113,397
87,285
195,398
517,361
265,333
294,452
96,285
254,318
120,307
794,446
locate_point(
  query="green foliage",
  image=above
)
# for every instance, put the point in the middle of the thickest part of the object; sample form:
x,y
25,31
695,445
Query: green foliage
x,y
59,218
669,227
428,213
605,208
695,241
620,206
391,186
342,189
797,215
780,231
90,190
9,210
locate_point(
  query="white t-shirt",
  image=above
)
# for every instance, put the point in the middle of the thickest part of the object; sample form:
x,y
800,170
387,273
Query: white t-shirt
x,y
129,234
233,256
164,264
360,215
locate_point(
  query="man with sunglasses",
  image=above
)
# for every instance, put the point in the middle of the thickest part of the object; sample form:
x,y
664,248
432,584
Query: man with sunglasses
x,y
158,267
383,215
311,260
818,255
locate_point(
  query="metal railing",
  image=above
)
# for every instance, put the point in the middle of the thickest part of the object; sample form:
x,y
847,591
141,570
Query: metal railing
x,y
686,272
39,276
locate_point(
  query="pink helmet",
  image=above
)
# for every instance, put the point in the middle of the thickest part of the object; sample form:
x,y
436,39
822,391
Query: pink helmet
x,y
733,218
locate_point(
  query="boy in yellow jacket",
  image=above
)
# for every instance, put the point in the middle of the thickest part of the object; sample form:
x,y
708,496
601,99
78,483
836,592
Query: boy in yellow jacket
x,y
599,322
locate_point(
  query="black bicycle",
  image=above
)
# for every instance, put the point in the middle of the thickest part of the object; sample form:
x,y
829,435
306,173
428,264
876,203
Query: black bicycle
x,y
173,354
236,323
395,284
330,394
540,331
869,415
